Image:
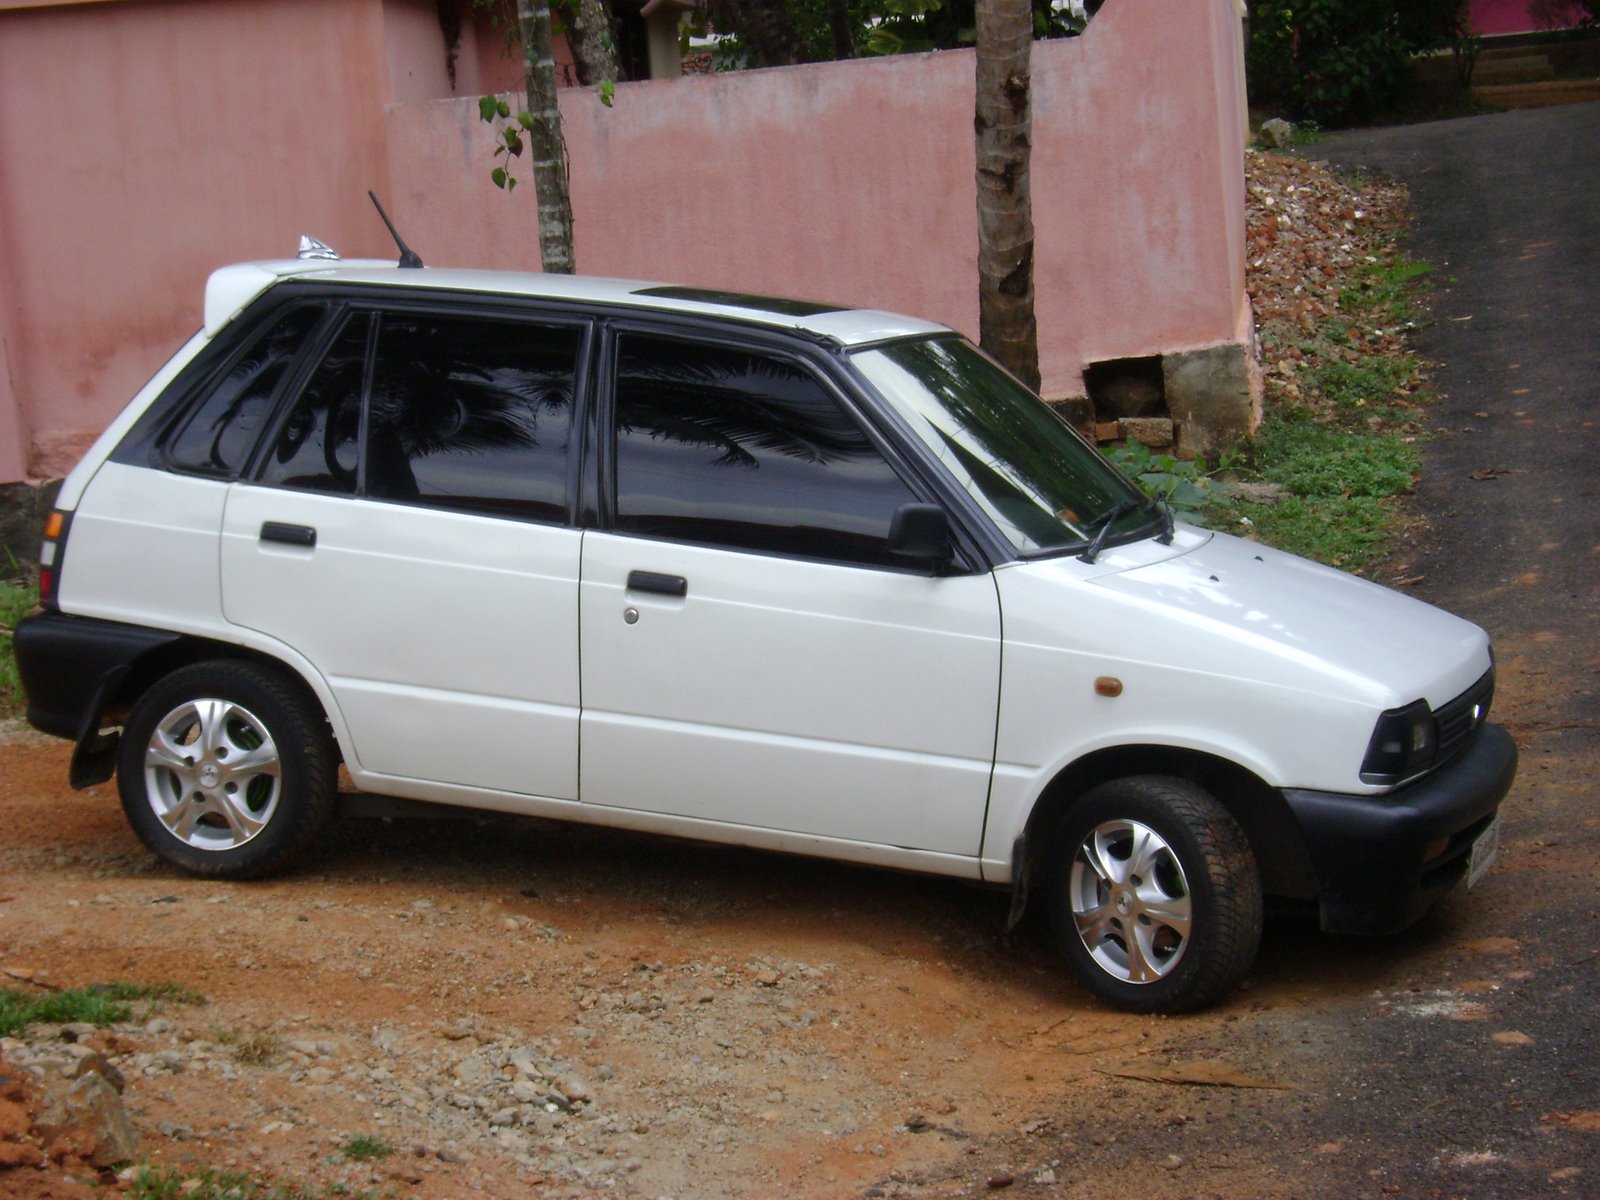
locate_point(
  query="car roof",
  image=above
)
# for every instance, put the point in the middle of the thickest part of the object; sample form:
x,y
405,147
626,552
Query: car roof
x,y
231,288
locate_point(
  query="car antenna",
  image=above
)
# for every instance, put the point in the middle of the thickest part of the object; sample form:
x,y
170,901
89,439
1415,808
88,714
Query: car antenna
x,y
408,256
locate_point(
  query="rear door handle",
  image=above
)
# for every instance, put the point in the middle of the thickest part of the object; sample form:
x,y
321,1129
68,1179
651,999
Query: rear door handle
x,y
664,585
292,535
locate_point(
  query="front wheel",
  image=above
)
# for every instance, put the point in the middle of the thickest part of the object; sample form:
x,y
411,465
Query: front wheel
x,y
227,770
1153,894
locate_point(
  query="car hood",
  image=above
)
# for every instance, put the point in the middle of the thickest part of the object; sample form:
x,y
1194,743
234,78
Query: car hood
x,y
1298,617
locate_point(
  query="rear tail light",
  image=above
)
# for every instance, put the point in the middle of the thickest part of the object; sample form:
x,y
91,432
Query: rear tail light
x,y
50,556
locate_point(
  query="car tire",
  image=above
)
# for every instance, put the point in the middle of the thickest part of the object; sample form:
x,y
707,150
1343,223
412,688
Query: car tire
x,y
1154,894
227,770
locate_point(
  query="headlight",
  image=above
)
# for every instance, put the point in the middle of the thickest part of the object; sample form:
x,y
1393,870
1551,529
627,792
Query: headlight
x,y
1402,745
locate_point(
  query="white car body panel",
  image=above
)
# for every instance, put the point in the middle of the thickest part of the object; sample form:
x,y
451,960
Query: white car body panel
x,y
448,640
838,701
130,518
1229,648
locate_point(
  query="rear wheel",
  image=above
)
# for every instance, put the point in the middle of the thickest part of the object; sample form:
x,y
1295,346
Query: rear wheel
x,y
1154,895
227,770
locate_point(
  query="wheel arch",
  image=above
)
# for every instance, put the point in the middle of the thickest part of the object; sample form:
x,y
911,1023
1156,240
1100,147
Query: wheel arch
x,y
94,758
1260,809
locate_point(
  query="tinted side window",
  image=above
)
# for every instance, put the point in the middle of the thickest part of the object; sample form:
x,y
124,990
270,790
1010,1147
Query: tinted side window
x,y
748,451
219,435
472,413
319,447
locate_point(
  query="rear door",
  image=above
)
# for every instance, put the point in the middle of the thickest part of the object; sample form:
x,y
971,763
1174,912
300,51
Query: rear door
x,y
752,655
408,533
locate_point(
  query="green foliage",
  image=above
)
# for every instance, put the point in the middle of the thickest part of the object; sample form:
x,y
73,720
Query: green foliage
x,y
1384,290
17,598
1185,485
496,113
1338,483
1351,533
98,1004
1342,62
1369,382
1315,459
914,26
162,1183
365,1148
20,1009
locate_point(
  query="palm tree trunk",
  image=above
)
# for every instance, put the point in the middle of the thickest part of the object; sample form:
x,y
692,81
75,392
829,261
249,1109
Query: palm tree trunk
x,y
1004,122
544,138
594,50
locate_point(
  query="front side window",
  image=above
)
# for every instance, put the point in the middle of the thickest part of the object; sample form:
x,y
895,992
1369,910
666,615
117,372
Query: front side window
x,y
471,413
745,450
220,434
1044,487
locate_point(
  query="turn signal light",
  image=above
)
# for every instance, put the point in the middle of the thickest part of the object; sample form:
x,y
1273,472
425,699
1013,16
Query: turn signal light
x,y
50,554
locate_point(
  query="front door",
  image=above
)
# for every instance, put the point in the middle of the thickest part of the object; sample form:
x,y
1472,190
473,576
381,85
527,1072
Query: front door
x,y
752,655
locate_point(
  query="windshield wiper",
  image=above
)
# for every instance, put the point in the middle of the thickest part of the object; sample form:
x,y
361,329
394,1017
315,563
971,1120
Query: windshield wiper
x,y
1169,527
1103,523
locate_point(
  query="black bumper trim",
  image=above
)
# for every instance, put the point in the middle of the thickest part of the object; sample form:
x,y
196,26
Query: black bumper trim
x,y
71,668
1367,851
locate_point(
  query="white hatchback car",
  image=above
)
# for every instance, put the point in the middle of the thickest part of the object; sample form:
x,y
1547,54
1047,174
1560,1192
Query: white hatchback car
x,y
739,569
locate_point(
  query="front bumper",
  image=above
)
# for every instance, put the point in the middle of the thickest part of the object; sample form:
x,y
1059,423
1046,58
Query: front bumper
x,y
1367,851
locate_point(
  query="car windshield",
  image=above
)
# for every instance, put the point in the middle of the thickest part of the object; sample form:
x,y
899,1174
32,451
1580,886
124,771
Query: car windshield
x,y
1045,487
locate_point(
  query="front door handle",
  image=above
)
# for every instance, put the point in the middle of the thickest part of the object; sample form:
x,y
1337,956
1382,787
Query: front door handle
x,y
291,535
662,585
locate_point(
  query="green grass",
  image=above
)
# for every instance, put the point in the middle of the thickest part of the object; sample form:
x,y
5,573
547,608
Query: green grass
x,y
159,1183
365,1148
1384,289
20,1009
97,1004
16,599
1367,383
1340,483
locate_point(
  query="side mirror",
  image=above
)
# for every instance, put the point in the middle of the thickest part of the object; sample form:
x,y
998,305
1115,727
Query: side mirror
x,y
921,534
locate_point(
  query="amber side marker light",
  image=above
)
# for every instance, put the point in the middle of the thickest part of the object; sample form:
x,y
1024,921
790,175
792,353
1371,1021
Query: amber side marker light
x,y
1107,686
50,552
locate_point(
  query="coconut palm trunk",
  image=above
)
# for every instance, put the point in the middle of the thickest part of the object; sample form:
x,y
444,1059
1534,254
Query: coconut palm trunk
x,y
544,138
1004,123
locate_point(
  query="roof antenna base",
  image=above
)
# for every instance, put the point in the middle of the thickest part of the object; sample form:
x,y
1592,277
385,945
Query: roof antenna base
x,y
408,256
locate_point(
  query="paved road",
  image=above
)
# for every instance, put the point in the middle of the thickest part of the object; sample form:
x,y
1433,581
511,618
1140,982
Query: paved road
x,y
1508,211
1462,1058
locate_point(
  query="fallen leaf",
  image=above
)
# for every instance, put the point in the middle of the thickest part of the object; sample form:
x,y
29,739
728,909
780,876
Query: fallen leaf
x,y
1494,945
1409,581
1491,473
1585,1119
1564,1173
1511,1037
1202,1074
1330,1148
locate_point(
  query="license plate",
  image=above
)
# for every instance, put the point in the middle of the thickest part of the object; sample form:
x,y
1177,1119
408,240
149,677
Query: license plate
x,y
1484,852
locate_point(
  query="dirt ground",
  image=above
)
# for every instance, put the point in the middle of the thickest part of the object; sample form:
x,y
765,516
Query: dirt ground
x,y
524,1008
737,1021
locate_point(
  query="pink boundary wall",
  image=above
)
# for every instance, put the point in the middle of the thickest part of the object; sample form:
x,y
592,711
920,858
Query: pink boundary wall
x,y
853,183
144,144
